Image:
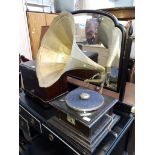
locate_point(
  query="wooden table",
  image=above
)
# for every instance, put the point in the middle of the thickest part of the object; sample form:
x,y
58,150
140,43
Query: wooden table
x,y
122,13
129,97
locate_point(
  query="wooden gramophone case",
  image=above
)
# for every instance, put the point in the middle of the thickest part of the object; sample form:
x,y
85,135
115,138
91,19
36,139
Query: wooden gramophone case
x,y
45,95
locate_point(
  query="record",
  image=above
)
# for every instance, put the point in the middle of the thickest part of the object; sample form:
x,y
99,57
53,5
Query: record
x,y
82,99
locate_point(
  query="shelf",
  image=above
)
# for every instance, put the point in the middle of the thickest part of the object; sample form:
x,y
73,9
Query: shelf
x,y
37,5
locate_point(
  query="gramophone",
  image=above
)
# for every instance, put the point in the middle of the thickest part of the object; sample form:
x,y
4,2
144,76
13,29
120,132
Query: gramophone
x,y
84,115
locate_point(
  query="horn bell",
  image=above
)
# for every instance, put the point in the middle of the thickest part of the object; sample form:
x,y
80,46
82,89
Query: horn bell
x,y
60,53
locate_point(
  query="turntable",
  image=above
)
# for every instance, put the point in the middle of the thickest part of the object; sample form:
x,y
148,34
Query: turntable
x,y
85,116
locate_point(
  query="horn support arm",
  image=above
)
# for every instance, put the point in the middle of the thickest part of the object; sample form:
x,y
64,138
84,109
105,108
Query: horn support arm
x,y
99,80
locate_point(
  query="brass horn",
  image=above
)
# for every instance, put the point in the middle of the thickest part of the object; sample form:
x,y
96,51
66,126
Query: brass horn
x,y
59,53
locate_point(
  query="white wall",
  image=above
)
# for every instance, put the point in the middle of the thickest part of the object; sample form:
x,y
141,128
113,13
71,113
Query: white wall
x,y
100,4
24,41
121,3
41,2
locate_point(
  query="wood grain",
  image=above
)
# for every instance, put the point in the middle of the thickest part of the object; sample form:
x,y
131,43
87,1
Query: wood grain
x,y
49,18
129,97
122,13
35,21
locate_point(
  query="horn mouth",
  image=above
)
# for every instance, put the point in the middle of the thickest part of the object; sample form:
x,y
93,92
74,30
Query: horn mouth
x,y
55,49
59,52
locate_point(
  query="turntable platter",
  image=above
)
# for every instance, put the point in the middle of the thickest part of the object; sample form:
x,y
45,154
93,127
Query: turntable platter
x,y
84,100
